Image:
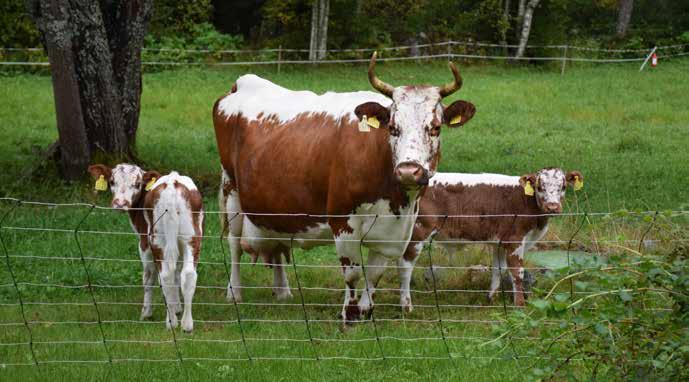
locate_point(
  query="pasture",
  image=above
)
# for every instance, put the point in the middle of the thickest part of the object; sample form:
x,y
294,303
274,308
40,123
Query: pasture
x,y
625,131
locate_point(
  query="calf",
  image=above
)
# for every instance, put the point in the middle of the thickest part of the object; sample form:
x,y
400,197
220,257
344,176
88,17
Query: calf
x,y
167,214
472,195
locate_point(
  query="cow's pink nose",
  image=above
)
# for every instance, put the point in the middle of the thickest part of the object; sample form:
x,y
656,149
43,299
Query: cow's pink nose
x,y
553,208
119,204
411,174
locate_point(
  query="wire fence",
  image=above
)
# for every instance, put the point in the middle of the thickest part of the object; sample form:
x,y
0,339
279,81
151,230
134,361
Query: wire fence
x,y
69,292
447,50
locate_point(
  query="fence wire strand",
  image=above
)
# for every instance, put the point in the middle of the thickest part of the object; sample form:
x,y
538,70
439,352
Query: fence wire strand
x,y
91,287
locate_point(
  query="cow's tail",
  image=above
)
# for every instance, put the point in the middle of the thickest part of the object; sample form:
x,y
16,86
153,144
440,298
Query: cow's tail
x,y
223,194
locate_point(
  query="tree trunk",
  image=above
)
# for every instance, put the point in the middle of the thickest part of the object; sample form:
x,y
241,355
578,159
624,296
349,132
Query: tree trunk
x,y
323,28
624,15
94,50
319,29
505,27
526,27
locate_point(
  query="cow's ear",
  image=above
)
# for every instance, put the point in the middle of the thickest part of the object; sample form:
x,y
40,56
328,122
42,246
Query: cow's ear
x,y
373,109
459,113
97,170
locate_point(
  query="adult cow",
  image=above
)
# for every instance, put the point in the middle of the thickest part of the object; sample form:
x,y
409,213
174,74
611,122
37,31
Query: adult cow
x,y
291,157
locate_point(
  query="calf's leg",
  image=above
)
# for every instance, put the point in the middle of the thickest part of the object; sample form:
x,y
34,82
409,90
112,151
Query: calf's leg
x,y
375,268
150,273
188,281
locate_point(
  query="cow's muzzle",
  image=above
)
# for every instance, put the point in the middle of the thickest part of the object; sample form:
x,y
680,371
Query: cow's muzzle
x,y
552,208
120,204
410,174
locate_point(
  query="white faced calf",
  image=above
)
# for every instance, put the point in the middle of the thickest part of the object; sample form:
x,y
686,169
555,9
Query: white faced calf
x,y
525,204
167,214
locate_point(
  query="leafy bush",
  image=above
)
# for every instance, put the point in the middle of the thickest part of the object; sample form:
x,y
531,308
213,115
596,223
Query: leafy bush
x,y
624,320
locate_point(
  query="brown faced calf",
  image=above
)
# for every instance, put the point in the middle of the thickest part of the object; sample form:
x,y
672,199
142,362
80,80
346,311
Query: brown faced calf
x,y
538,194
167,214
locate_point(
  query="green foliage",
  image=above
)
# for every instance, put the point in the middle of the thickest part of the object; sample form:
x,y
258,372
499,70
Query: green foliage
x,y
201,37
625,320
16,27
179,18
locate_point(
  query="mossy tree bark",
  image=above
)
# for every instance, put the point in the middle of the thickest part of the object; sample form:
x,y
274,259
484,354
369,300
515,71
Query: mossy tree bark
x,y
94,49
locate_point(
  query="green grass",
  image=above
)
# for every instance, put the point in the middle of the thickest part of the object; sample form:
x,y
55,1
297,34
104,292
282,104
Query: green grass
x,y
627,132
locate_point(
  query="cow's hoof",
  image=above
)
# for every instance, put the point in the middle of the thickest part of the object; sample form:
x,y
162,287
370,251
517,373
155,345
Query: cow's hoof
x,y
406,305
146,314
234,297
282,294
187,326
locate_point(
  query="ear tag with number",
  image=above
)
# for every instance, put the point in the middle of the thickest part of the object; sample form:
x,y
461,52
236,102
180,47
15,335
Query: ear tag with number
x,y
456,119
101,184
363,125
528,190
578,183
150,184
373,122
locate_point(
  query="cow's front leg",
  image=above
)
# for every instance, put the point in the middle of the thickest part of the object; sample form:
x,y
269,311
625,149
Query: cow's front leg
x,y
375,267
350,260
405,266
515,261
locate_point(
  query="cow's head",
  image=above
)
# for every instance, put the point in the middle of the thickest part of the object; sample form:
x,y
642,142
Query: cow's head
x,y
127,182
548,187
413,120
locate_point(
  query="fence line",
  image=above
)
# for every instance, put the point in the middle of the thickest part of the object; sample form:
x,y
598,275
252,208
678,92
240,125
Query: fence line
x,y
91,289
330,53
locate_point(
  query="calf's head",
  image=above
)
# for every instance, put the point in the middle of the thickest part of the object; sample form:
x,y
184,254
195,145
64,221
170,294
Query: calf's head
x,y
413,120
127,182
548,186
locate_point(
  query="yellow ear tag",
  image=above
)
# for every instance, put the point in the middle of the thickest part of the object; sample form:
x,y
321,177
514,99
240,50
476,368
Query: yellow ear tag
x,y
528,190
150,184
101,184
578,183
457,119
363,125
373,122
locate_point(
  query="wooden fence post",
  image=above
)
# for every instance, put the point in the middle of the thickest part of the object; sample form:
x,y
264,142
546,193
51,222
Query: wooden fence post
x,y
564,60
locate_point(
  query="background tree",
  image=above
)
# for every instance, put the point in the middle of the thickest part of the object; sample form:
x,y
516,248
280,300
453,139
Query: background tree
x,y
94,49
526,17
624,15
319,29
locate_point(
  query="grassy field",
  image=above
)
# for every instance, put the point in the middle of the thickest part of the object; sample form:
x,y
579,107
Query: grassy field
x,y
626,132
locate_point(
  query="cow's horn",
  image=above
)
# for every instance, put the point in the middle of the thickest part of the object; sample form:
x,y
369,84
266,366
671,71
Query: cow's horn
x,y
453,86
377,84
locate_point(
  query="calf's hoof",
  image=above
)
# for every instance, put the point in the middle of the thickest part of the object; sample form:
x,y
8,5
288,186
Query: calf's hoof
x,y
234,296
406,305
146,313
187,326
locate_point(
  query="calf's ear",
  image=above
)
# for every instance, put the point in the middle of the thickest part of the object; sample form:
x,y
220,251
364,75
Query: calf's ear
x,y
574,176
528,182
150,175
458,113
373,109
97,170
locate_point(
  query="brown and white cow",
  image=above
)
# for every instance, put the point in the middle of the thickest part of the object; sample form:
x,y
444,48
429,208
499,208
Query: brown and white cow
x,y
167,214
291,157
451,209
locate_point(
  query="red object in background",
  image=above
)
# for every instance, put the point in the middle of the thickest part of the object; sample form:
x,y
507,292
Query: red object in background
x,y
654,60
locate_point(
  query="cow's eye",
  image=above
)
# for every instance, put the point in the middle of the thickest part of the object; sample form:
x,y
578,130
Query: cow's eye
x,y
394,131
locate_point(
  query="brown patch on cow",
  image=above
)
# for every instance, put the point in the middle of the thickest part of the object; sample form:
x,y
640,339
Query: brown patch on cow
x,y
311,165
147,200
234,88
345,262
352,311
482,199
